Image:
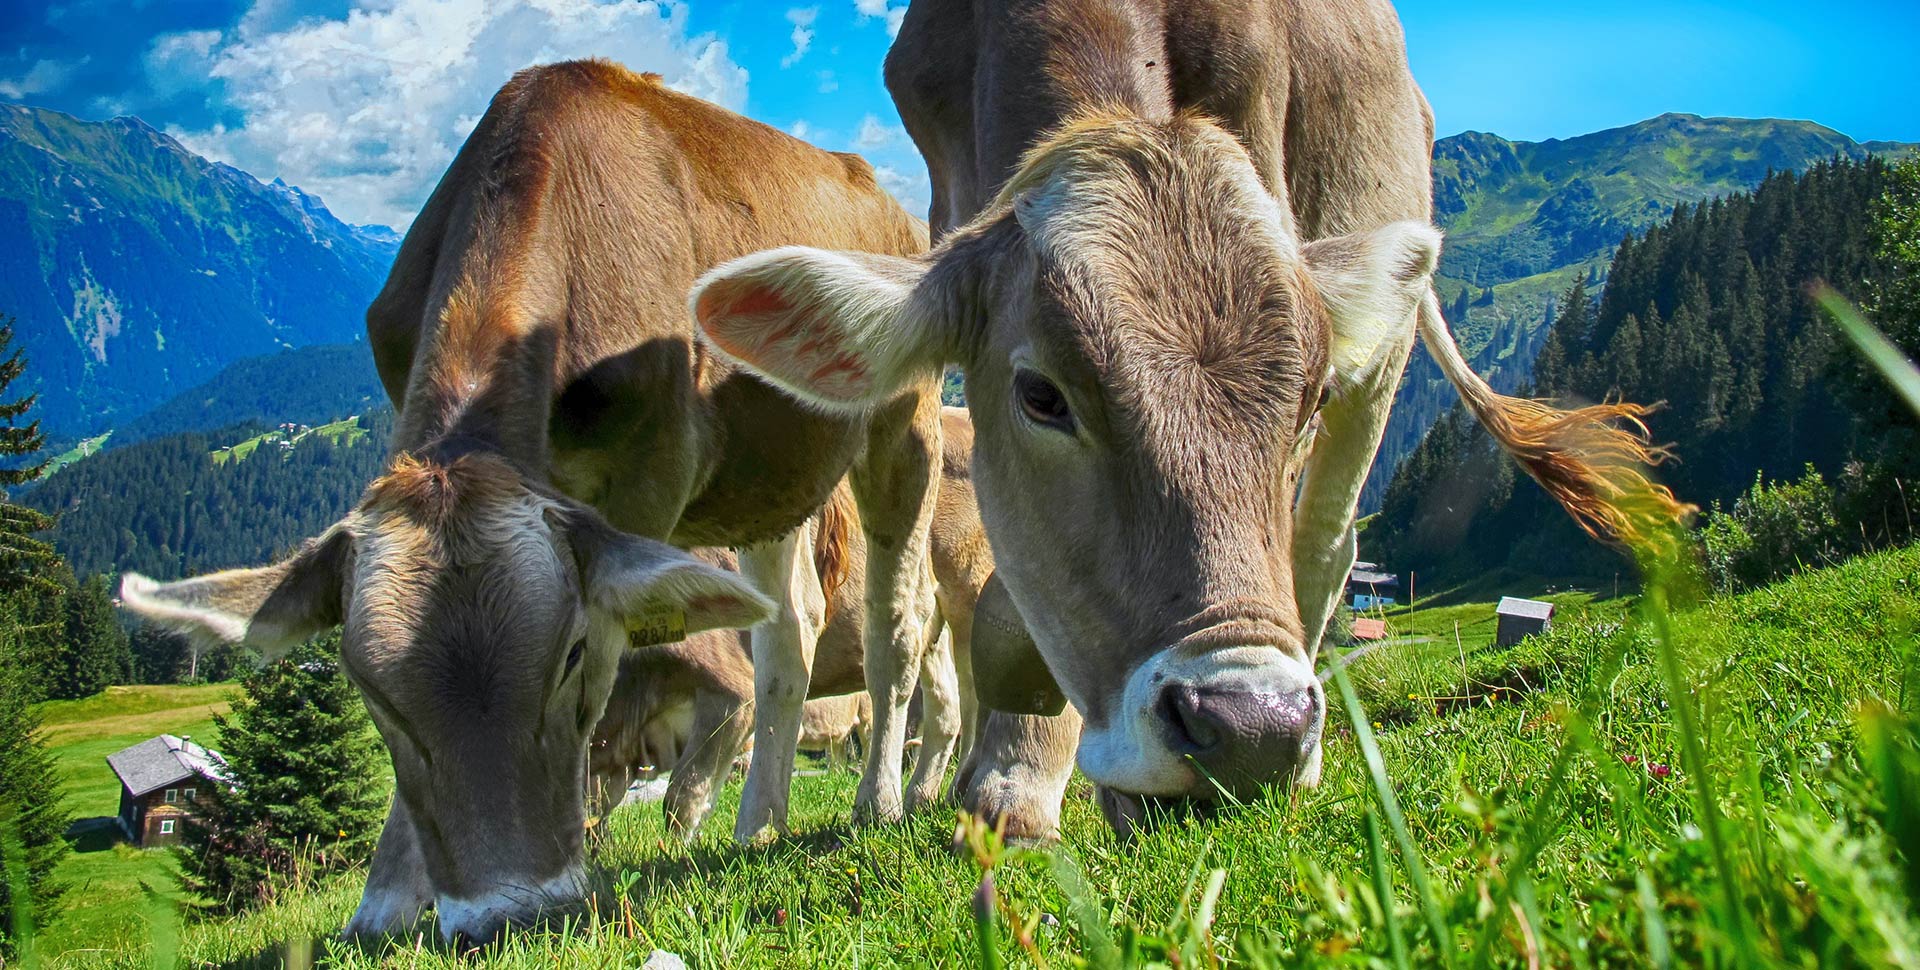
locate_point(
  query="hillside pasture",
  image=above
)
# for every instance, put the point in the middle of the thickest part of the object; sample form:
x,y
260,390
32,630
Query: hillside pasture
x,y
1589,815
112,886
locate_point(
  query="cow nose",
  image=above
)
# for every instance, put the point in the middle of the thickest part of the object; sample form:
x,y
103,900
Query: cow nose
x,y
1243,736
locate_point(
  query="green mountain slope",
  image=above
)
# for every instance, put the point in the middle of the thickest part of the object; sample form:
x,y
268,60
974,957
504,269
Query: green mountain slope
x,y
1523,218
182,504
137,269
307,385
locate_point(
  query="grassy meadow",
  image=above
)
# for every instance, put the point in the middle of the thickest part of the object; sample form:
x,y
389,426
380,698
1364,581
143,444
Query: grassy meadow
x,y
108,881
1723,784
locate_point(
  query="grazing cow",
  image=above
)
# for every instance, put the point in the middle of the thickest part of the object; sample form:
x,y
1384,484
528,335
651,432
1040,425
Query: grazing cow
x,y
687,706
835,724
1183,253
554,408
680,705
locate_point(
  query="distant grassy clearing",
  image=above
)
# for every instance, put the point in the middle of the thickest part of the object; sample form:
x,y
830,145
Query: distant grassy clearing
x,y
106,902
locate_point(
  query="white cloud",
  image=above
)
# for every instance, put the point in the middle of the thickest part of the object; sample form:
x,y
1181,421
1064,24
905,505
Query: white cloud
x,y
368,110
803,131
914,191
874,134
881,8
802,19
44,75
829,83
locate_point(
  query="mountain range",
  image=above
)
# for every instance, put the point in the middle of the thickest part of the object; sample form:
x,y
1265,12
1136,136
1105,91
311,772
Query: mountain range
x,y
137,269
158,292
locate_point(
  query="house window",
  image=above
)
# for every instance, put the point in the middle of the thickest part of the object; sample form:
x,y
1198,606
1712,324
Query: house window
x,y
186,794
166,827
173,795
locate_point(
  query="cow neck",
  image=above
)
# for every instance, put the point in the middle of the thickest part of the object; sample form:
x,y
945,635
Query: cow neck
x,y
482,389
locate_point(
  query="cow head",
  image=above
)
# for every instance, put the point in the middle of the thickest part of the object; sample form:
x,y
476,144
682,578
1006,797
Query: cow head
x,y
1146,345
484,617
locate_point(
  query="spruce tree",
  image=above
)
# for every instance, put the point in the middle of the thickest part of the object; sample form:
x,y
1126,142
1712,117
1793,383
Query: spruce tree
x,y
33,820
94,653
307,788
29,567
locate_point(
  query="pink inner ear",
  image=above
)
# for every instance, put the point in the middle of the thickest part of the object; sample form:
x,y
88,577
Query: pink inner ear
x,y
760,326
710,604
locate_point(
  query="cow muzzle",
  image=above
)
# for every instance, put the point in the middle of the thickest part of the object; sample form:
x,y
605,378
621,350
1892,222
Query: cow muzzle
x,y
1222,723
480,919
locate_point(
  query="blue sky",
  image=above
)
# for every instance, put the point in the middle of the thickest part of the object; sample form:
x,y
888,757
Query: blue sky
x,y
365,101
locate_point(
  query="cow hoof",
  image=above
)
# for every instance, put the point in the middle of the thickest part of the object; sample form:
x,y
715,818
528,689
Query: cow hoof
x,y
760,826
877,812
1017,815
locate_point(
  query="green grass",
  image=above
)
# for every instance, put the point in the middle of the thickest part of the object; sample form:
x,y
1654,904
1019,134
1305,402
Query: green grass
x,y
346,431
84,449
108,881
1648,790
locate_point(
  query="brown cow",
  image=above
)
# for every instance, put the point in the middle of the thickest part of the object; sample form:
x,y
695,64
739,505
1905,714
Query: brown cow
x,y
1185,249
680,705
686,706
555,406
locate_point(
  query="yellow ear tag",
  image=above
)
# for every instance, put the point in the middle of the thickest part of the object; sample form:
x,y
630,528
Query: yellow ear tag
x,y
657,625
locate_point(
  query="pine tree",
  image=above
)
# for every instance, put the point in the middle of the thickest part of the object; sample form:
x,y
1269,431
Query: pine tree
x,y
33,822
306,792
94,653
29,567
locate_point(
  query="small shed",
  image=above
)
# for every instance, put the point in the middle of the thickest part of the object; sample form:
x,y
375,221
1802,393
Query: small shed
x,y
1368,587
1369,628
165,782
1520,619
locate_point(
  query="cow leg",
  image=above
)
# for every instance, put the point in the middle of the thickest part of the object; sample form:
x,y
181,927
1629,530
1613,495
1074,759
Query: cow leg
x,y
939,721
720,725
895,483
782,665
1016,776
397,889
610,785
959,630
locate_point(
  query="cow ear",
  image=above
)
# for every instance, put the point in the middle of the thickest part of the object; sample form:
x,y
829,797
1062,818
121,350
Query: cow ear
x,y
659,592
1372,283
842,331
272,608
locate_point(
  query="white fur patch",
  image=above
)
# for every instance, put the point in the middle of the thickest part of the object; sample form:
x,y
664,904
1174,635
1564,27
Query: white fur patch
x,y
483,916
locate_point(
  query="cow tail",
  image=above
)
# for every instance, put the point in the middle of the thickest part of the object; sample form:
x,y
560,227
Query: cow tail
x,y
833,544
1592,460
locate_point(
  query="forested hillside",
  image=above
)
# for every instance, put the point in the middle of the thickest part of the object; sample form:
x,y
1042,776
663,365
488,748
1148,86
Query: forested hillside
x,y
1522,218
1707,312
307,385
166,508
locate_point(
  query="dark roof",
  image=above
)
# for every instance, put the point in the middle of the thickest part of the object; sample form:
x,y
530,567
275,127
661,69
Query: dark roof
x,y
158,762
1367,578
1531,609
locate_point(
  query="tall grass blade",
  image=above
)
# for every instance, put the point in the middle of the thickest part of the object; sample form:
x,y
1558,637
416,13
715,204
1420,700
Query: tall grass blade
x,y
1879,351
1383,888
1390,807
1095,939
1693,757
986,929
1659,946
1887,745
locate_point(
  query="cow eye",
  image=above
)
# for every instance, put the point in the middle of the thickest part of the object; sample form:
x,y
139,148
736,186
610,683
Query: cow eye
x,y
573,656
1042,402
